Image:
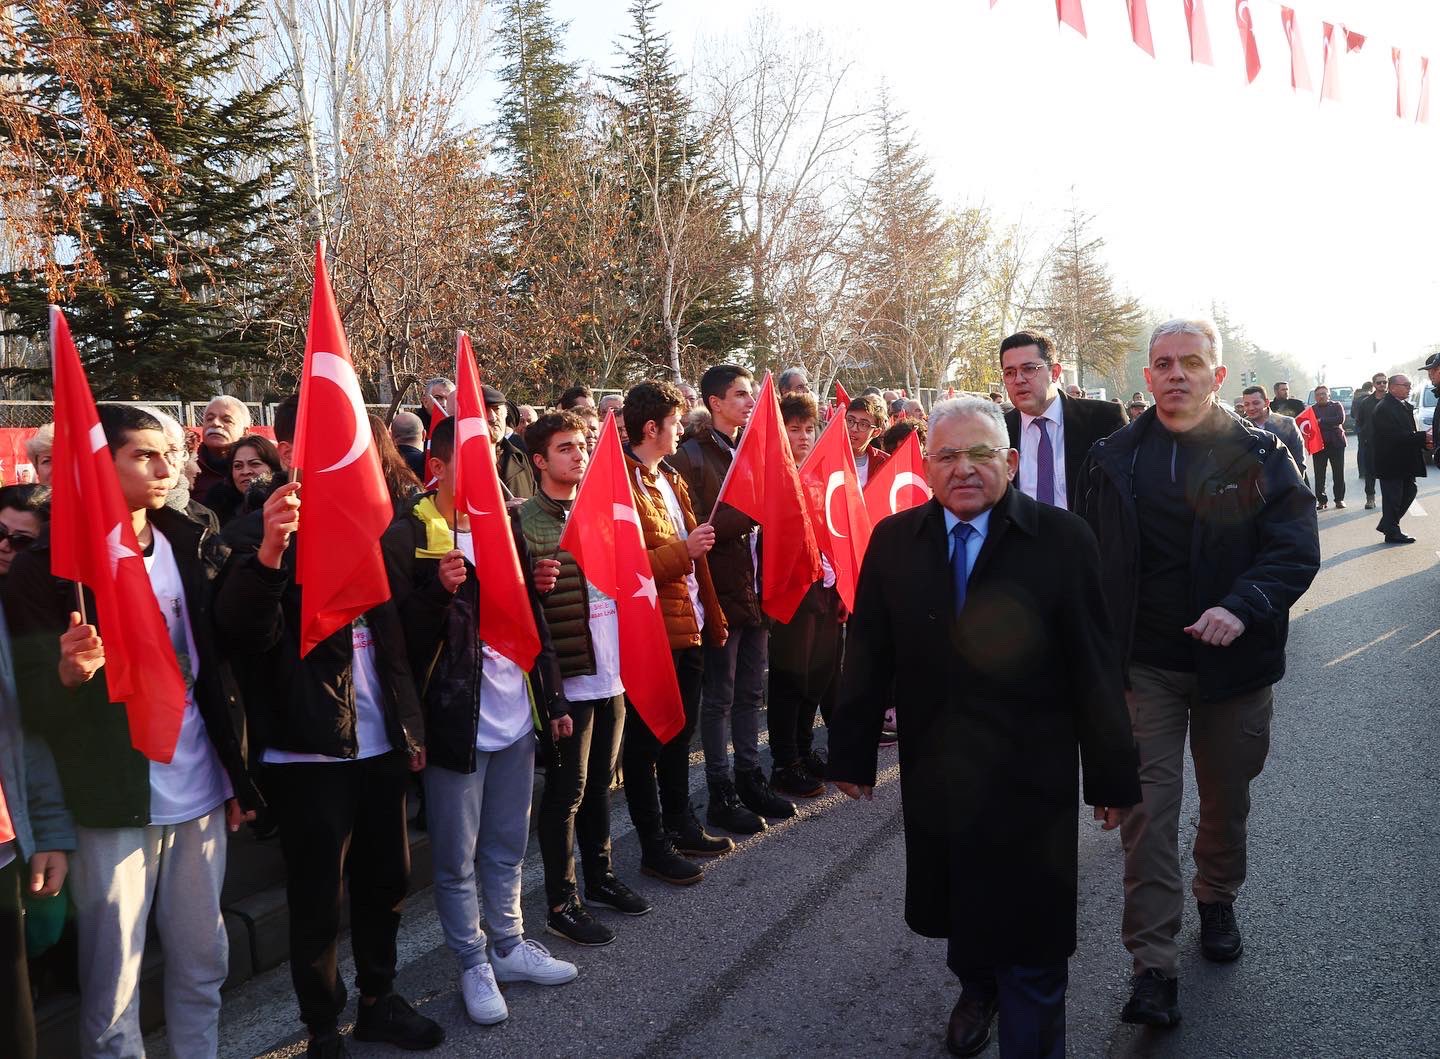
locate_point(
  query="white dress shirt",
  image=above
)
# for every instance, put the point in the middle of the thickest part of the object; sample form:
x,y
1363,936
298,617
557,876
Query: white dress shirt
x,y
1054,416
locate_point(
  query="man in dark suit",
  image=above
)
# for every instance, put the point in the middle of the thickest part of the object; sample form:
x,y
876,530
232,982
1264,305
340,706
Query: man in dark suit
x,y
1050,431
1399,454
989,606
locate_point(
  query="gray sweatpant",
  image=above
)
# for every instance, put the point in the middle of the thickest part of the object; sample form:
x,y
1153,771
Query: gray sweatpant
x,y
480,819
116,875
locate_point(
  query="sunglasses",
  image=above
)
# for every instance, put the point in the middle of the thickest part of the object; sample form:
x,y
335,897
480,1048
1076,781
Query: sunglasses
x,y
18,541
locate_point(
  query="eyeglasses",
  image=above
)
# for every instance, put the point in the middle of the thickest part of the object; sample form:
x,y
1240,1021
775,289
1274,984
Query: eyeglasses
x,y
1025,371
976,454
18,541
858,424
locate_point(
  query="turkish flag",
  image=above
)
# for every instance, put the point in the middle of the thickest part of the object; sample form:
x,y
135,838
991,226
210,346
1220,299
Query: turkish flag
x,y
841,522
763,483
1330,82
1400,86
841,397
1246,22
604,534
345,505
1140,26
1199,33
1299,68
1310,430
507,622
1069,13
900,484
1422,107
92,542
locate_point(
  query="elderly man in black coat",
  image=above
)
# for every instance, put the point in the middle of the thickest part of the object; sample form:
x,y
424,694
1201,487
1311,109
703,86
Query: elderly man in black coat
x,y
1398,454
989,605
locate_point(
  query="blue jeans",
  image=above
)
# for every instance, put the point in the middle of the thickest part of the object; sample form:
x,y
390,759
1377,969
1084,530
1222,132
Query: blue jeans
x,y
730,701
480,819
1032,1006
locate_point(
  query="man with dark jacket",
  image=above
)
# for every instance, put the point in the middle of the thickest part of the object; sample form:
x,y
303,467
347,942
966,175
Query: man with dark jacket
x,y
150,834
584,627
1207,538
36,832
1050,430
408,433
988,605
1255,406
1363,411
341,728
1399,454
735,673
1331,417
517,480
479,738
1285,405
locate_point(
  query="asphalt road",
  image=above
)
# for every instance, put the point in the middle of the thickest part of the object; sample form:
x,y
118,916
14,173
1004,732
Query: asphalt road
x,y
795,944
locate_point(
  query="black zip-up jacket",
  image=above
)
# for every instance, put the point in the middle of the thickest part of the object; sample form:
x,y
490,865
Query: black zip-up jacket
x,y
443,644
307,706
1255,549
703,462
106,780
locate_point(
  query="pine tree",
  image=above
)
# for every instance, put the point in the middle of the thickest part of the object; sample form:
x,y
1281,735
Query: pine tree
x,y
538,101
177,299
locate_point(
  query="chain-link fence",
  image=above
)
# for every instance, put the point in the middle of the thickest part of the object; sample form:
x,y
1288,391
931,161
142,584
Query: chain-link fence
x,y
259,413
33,414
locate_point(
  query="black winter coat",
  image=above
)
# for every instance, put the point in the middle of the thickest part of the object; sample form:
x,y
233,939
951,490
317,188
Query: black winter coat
x,y
107,781
1255,550
1000,707
440,633
1397,448
307,705
703,462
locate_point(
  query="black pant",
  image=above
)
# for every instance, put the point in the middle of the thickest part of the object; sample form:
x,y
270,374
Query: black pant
x,y
658,776
803,656
1396,495
1334,458
17,1017
339,820
1032,1006
1365,461
576,801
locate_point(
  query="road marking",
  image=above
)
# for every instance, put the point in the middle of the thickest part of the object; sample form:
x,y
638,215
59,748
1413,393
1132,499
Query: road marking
x,y
1427,639
1360,650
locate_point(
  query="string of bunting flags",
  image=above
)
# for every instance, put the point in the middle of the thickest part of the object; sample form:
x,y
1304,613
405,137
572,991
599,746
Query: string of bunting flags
x,y
1337,43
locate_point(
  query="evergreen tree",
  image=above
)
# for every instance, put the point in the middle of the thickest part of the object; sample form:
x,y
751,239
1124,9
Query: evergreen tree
x,y
538,102
177,298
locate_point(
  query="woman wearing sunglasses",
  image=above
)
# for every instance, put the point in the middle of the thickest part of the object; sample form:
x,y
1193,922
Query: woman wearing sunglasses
x,y
24,512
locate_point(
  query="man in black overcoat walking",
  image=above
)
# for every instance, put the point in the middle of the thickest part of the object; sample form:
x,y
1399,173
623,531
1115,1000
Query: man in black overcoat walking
x,y
1398,455
989,605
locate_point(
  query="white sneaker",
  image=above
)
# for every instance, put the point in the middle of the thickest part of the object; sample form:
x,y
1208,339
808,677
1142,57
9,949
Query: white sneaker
x,y
531,962
483,1002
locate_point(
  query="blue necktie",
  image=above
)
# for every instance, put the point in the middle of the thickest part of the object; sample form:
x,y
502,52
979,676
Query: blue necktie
x,y
1044,465
960,562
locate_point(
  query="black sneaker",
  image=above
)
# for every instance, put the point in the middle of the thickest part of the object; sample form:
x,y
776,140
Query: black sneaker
x,y
691,839
795,779
726,812
575,924
1220,939
330,1046
755,791
613,893
390,1020
1154,1000
816,763
659,860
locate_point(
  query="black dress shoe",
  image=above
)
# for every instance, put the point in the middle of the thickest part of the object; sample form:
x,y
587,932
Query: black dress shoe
x,y
969,1029
1398,538
330,1046
1154,1000
390,1020
1220,939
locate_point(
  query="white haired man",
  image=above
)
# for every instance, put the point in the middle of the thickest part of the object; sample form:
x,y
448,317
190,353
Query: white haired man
x,y
226,421
999,713
1207,538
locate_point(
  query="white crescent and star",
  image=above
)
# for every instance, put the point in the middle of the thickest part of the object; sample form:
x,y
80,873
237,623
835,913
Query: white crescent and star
x,y
834,482
339,371
626,513
97,438
117,549
468,429
903,479
646,591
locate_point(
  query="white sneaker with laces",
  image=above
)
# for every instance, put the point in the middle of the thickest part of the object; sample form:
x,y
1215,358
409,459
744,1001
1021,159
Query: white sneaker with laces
x,y
531,962
483,1002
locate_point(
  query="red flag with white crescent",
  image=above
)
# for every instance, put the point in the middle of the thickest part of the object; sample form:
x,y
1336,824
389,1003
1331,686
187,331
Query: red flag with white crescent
x,y
1199,33
1309,425
1299,68
603,532
507,622
1246,22
345,505
900,484
92,542
837,507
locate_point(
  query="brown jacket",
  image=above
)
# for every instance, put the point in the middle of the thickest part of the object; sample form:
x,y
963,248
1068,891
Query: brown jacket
x,y
703,462
670,560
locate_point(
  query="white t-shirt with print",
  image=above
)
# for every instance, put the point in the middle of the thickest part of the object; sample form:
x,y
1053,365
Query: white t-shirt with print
x,y
605,641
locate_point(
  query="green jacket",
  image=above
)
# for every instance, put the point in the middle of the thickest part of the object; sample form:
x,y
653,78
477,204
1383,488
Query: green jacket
x,y
567,605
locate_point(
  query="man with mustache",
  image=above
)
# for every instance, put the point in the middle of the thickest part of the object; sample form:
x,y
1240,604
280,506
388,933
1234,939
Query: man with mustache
x,y
225,421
